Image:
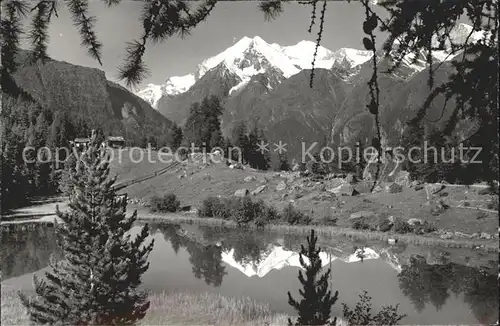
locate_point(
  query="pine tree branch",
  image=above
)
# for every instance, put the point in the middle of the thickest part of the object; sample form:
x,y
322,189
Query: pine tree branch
x,y
161,20
38,34
85,24
271,8
318,40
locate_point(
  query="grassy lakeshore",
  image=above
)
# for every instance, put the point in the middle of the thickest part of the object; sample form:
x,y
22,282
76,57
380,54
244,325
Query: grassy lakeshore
x,y
175,309
330,231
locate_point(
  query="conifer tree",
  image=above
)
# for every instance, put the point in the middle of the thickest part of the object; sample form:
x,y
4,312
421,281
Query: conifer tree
x,y
257,158
240,140
175,137
317,300
97,281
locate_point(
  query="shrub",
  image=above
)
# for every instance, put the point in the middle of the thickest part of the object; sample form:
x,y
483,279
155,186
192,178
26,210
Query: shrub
x,y
402,227
223,208
293,216
328,221
248,210
360,224
167,203
361,315
385,225
241,210
424,228
271,214
207,207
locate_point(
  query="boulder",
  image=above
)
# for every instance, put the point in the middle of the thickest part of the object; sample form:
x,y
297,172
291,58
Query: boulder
x,y
259,189
335,182
393,188
281,186
238,166
446,235
415,221
250,178
241,192
415,183
345,190
263,180
485,235
462,235
361,214
419,187
403,179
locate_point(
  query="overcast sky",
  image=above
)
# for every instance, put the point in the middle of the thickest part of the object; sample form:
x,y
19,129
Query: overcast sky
x,y
229,22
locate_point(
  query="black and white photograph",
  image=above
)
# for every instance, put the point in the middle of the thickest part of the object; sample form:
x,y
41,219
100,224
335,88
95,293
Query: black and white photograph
x,y
253,163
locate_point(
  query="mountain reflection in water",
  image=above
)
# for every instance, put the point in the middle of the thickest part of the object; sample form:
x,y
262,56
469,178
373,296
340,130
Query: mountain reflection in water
x,y
263,265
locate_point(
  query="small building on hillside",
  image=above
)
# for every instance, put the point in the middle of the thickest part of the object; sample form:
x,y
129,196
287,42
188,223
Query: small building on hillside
x,y
80,143
115,141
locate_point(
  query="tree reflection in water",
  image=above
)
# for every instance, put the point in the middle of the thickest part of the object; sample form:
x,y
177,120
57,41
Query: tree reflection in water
x,y
424,283
250,247
27,249
206,260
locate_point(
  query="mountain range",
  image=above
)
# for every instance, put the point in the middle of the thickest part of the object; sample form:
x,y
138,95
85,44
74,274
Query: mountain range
x,y
268,85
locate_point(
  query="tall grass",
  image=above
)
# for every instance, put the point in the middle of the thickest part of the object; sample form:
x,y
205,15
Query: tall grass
x,y
208,309
175,309
13,312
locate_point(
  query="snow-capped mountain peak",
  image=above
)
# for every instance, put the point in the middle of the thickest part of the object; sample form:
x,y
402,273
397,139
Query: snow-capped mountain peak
x,y
248,57
151,94
251,56
173,86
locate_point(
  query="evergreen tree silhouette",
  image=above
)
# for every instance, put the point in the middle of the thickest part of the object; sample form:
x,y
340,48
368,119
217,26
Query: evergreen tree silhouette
x,y
317,300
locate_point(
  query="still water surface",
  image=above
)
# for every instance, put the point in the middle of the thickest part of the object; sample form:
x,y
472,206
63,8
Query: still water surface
x,y
264,266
